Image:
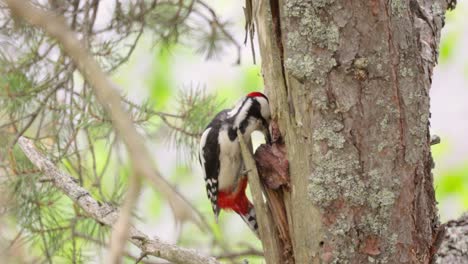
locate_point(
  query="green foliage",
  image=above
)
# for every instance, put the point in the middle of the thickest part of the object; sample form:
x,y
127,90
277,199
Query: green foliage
x,y
13,84
441,149
252,79
196,109
53,225
452,32
448,46
39,208
451,182
168,21
211,40
44,98
154,205
180,173
249,80
160,81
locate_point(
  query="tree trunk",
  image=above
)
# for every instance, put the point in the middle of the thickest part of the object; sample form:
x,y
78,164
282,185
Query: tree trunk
x,y
348,83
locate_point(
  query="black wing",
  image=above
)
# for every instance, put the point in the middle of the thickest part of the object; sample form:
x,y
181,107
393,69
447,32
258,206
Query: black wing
x,y
209,159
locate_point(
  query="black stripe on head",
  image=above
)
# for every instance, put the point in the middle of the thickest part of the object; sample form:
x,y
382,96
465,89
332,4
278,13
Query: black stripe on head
x,y
254,111
238,110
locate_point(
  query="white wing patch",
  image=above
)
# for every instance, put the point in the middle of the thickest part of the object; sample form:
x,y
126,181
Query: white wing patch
x,y
202,144
211,182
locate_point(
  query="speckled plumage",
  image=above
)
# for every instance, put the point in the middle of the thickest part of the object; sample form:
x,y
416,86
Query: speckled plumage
x,y
221,159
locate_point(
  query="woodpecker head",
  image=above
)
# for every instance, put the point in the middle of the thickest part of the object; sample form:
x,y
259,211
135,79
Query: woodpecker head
x,y
252,113
264,105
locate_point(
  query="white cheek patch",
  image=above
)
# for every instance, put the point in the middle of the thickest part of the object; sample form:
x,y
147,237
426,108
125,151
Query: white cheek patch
x,y
265,108
242,115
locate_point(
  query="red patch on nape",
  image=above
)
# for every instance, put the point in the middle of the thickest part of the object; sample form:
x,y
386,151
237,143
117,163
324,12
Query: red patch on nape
x,y
256,94
235,200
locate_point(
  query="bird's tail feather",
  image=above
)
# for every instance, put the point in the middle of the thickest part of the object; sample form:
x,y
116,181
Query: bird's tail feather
x,y
250,218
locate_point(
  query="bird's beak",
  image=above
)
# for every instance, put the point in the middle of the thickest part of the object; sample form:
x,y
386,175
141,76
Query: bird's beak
x,y
266,132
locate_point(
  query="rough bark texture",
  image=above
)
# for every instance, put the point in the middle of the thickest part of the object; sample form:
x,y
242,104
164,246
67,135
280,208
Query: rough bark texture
x,y
348,83
265,223
454,248
273,169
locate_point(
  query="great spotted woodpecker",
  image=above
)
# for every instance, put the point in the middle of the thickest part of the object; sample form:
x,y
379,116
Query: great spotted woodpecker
x,y
220,155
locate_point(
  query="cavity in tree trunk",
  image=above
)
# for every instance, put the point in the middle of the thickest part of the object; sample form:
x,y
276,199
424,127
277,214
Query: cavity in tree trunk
x,y
348,83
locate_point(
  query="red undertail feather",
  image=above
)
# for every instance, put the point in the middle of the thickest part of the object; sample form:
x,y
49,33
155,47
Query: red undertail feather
x,y
235,200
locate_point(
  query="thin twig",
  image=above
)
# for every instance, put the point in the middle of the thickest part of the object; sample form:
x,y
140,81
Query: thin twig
x,y
110,100
36,113
233,255
121,227
216,22
102,244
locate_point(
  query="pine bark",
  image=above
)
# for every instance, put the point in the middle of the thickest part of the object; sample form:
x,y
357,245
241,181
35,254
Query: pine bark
x,y
348,83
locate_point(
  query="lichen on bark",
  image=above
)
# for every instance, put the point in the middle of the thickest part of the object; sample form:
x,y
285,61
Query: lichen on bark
x,y
348,83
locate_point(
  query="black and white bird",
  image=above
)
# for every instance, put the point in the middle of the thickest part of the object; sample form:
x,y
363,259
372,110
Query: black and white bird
x,y
220,155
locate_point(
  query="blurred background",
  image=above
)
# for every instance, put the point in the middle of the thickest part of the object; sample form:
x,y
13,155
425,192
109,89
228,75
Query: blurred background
x,y
449,105
163,73
449,115
159,74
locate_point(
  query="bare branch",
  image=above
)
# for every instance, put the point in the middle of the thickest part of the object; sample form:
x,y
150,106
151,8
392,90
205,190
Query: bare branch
x,y
270,240
110,100
107,215
126,254
234,255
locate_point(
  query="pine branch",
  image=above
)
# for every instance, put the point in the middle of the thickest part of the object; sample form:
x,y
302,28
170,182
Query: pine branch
x,y
111,101
107,215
